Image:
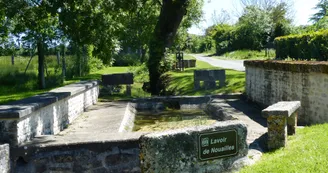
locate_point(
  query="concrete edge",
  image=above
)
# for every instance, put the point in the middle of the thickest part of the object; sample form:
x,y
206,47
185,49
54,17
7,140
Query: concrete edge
x,y
127,123
24,107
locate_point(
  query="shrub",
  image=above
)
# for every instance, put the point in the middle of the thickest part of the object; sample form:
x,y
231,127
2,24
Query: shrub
x,y
303,47
95,64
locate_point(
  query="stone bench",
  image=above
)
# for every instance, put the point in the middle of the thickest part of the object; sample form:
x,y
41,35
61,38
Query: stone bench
x,y
281,120
209,77
118,79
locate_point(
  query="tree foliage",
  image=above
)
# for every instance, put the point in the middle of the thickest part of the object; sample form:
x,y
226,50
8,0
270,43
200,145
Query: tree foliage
x,y
322,8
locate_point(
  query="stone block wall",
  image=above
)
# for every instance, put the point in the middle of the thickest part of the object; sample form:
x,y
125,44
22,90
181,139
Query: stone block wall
x,y
106,156
4,158
268,82
45,114
179,150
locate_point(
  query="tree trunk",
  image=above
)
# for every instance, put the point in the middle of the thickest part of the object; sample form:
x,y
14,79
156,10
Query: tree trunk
x,y
79,63
58,58
41,78
12,59
171,15
63,63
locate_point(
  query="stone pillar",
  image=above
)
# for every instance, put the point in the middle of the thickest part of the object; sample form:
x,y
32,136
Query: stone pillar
x,y
128,90
277,132
292,124
196,84
282,121
209,84
4,158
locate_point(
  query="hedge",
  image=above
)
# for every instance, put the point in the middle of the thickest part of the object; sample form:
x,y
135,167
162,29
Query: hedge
x,y
307,46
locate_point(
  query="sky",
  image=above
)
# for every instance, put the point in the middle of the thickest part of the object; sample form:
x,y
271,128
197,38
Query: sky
x,y
302,11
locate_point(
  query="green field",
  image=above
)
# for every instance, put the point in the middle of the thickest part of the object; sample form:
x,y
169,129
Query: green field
x,y
307,151
16,85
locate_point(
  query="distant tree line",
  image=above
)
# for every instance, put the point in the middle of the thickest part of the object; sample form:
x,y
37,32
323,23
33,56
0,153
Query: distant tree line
x,y
260,23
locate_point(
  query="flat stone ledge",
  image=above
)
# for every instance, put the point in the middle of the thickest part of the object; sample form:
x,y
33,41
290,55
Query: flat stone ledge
x,y
285,109
291,66
21,108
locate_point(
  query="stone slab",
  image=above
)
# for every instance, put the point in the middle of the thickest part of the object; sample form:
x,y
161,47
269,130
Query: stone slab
x,y
209,75
117,79
21,108
285,109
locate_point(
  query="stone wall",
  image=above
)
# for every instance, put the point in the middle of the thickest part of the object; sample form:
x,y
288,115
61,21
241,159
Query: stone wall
x,y
268,82
179,151
4,158
104,156
45,114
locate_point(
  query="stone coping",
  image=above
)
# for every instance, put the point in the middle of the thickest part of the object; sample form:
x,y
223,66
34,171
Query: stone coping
x,y
292,66
285,109
58,142
169,98
21,108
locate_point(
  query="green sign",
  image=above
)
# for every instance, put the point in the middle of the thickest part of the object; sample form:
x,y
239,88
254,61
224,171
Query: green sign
x,y
213,145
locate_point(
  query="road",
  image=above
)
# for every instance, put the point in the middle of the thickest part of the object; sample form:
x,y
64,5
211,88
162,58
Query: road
x,y
227,64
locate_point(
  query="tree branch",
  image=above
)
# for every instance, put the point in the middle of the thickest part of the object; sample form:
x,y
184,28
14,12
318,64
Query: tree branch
x,y
159,2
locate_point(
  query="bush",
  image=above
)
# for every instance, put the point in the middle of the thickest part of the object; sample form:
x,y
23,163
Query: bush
x,y
95,64
140,73
303,47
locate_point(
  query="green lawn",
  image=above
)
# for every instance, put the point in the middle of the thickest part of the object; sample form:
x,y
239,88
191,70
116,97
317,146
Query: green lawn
x,y
182,83
307,151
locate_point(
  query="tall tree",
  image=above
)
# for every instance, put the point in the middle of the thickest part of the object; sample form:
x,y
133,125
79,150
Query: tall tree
x,y
171,15
322,6
37,24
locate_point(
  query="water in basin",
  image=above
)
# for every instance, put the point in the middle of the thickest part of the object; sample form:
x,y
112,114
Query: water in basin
x,y
170,119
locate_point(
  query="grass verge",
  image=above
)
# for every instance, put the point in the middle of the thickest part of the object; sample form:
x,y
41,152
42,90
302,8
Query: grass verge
x,y
306,152
248,55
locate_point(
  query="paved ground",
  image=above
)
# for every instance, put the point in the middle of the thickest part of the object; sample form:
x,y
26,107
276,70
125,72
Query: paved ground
x,y
100,122
227,64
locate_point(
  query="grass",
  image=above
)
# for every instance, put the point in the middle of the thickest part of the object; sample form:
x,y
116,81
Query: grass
x,y
15,85
306,152
136,90
248,55
182,83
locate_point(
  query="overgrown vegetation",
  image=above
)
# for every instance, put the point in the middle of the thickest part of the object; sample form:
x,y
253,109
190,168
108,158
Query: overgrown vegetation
x,y
305,152
249,54
307,46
